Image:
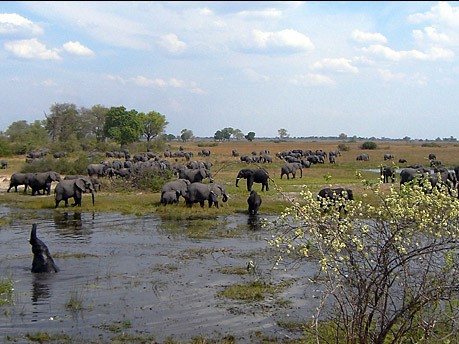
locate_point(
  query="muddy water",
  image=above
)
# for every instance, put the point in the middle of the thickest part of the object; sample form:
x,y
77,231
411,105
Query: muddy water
x,y
144,276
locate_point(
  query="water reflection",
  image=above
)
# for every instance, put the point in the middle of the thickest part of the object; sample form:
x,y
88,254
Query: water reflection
x,y
67,220
254,222
41,287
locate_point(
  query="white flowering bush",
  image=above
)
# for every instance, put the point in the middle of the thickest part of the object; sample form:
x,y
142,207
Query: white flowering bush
x,y
389,268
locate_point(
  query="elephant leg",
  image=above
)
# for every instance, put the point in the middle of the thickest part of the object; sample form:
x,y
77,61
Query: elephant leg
x,y
201,203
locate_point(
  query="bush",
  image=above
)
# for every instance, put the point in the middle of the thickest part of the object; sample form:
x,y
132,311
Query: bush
x,y
389,271
344,147
369,145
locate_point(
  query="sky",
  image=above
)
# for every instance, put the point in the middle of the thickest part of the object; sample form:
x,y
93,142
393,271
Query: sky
x,y
315,68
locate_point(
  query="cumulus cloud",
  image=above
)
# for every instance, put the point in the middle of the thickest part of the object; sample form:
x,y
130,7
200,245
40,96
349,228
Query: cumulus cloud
x,y
340,65
171,83
393,55
430,34
281,40
172,44
12,23
368,37
77,48
443,12
31,49
312,79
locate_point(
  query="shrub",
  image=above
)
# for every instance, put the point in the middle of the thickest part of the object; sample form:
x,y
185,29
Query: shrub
x,y
389,270
369,145
344,147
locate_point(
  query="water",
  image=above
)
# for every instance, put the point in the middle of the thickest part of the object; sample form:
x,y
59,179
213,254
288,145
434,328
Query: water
x,y
144,273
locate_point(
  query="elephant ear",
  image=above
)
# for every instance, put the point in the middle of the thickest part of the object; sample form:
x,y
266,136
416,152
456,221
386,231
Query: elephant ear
x,y
80,184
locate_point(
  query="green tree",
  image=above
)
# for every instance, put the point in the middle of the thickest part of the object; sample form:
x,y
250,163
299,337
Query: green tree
x,y
63,123
218,136
238,134
123,126
342,136
154,124
93,122
25,137
283,133
389,267
186,135
250,136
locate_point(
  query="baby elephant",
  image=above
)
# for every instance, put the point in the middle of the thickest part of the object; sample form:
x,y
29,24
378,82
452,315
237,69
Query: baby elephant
x,y
42,260
254,202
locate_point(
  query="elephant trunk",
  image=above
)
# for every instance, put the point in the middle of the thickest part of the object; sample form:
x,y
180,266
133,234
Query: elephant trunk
x,y
92,196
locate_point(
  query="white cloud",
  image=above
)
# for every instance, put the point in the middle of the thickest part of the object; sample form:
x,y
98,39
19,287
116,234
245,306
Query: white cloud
x,y
443,12
415,79
337,65
171,83
252,75
390,54
266,13
31,49
430,34
77,48
281,39
12,23
368,37
311,79
172,44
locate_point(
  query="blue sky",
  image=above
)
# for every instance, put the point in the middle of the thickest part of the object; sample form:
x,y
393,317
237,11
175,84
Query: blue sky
x,y
370,69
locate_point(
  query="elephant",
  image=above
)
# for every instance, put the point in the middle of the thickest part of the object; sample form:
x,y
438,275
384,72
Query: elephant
x,y
199,193
169,197
291,168
69,188
4,164
95,181
387,172
98,170
258,175
328,196
389,156
19,179
443,176
41,181
409,174
363,157
254,201
194,175
179,186
42,259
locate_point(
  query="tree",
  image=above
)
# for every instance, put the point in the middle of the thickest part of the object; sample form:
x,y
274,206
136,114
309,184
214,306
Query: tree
x,y
342,136
218,136
250,136
154,124
238,134
186,135
93,122
25,137
283,134
63,123
123,126
389,268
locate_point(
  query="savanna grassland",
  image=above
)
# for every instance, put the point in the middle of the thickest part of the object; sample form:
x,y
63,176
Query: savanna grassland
x,y
225,168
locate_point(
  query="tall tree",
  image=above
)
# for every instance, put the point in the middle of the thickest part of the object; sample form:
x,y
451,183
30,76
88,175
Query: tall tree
x,y
123,126
63,122
283,133
154,124
238,134
250,136
93,122
186,134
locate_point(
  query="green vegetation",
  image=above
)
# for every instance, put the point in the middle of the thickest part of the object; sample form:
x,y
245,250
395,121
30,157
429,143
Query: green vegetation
x,y
369,145
6,291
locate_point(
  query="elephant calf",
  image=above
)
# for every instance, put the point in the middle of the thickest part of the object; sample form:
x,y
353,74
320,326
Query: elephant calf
x,y
42,259
254,202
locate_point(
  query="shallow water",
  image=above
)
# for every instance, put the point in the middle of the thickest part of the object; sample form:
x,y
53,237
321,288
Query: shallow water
x,y
144,272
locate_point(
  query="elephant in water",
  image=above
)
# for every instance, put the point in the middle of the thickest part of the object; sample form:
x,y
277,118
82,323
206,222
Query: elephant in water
x,y
42,259
73,188
254,201
329,196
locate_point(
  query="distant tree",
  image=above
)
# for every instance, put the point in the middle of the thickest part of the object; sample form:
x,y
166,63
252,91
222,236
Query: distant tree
x,y
154,124
407,138
93,122
169,137
369,145
186,135
25,137
63,123
227,132
238,134
283,133
342,136
250,136
123,126
218,136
